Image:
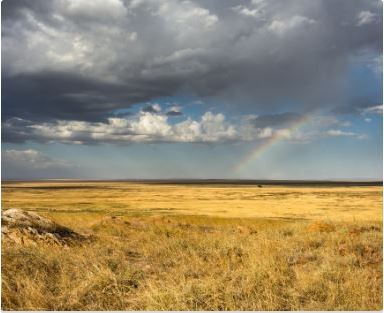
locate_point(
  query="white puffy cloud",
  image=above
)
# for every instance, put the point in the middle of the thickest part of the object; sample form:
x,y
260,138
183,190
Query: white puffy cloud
x,y
154,127
146,127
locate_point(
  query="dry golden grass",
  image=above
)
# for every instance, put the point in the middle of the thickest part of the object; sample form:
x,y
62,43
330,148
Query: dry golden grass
x,y
121,198
164,247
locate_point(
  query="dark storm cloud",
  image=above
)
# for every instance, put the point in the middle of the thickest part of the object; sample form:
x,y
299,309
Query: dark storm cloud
x,y
81,60
46,95
15,130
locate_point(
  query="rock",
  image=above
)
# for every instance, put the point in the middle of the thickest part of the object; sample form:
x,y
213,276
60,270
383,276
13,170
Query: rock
x,y
32,231
22,227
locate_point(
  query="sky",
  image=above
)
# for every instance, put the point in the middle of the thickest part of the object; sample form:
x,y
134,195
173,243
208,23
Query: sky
x,y
257,89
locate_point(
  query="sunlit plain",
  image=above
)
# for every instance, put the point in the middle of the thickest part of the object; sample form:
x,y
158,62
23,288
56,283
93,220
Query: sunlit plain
x,y
198,247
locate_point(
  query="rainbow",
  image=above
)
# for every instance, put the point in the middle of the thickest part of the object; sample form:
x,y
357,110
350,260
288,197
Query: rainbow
x,y
264,146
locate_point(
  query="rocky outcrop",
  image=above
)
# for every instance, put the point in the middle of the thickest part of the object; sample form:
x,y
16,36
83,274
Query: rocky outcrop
x,y
22,227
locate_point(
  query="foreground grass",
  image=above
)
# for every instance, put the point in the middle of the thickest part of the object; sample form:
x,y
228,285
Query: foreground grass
x,y
200,263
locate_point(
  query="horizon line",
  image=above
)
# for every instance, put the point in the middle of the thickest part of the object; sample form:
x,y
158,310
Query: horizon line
x,y
254,180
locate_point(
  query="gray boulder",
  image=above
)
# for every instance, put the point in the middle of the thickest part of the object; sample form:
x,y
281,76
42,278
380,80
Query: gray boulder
x,y
21,226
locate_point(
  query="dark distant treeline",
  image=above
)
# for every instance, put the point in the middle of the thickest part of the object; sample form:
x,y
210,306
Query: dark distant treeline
x,y
257,182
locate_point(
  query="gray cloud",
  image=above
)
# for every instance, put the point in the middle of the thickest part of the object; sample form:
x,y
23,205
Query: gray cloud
x,y
282,119
31,158
359,107
34,164
79,60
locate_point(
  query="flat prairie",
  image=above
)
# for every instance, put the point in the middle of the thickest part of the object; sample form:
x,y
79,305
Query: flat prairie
x,y
201,246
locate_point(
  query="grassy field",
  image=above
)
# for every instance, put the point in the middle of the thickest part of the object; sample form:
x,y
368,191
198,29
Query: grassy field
x,y
198,247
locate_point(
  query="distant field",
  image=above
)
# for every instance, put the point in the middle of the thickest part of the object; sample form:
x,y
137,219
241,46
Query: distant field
x,y
269,201
199,246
